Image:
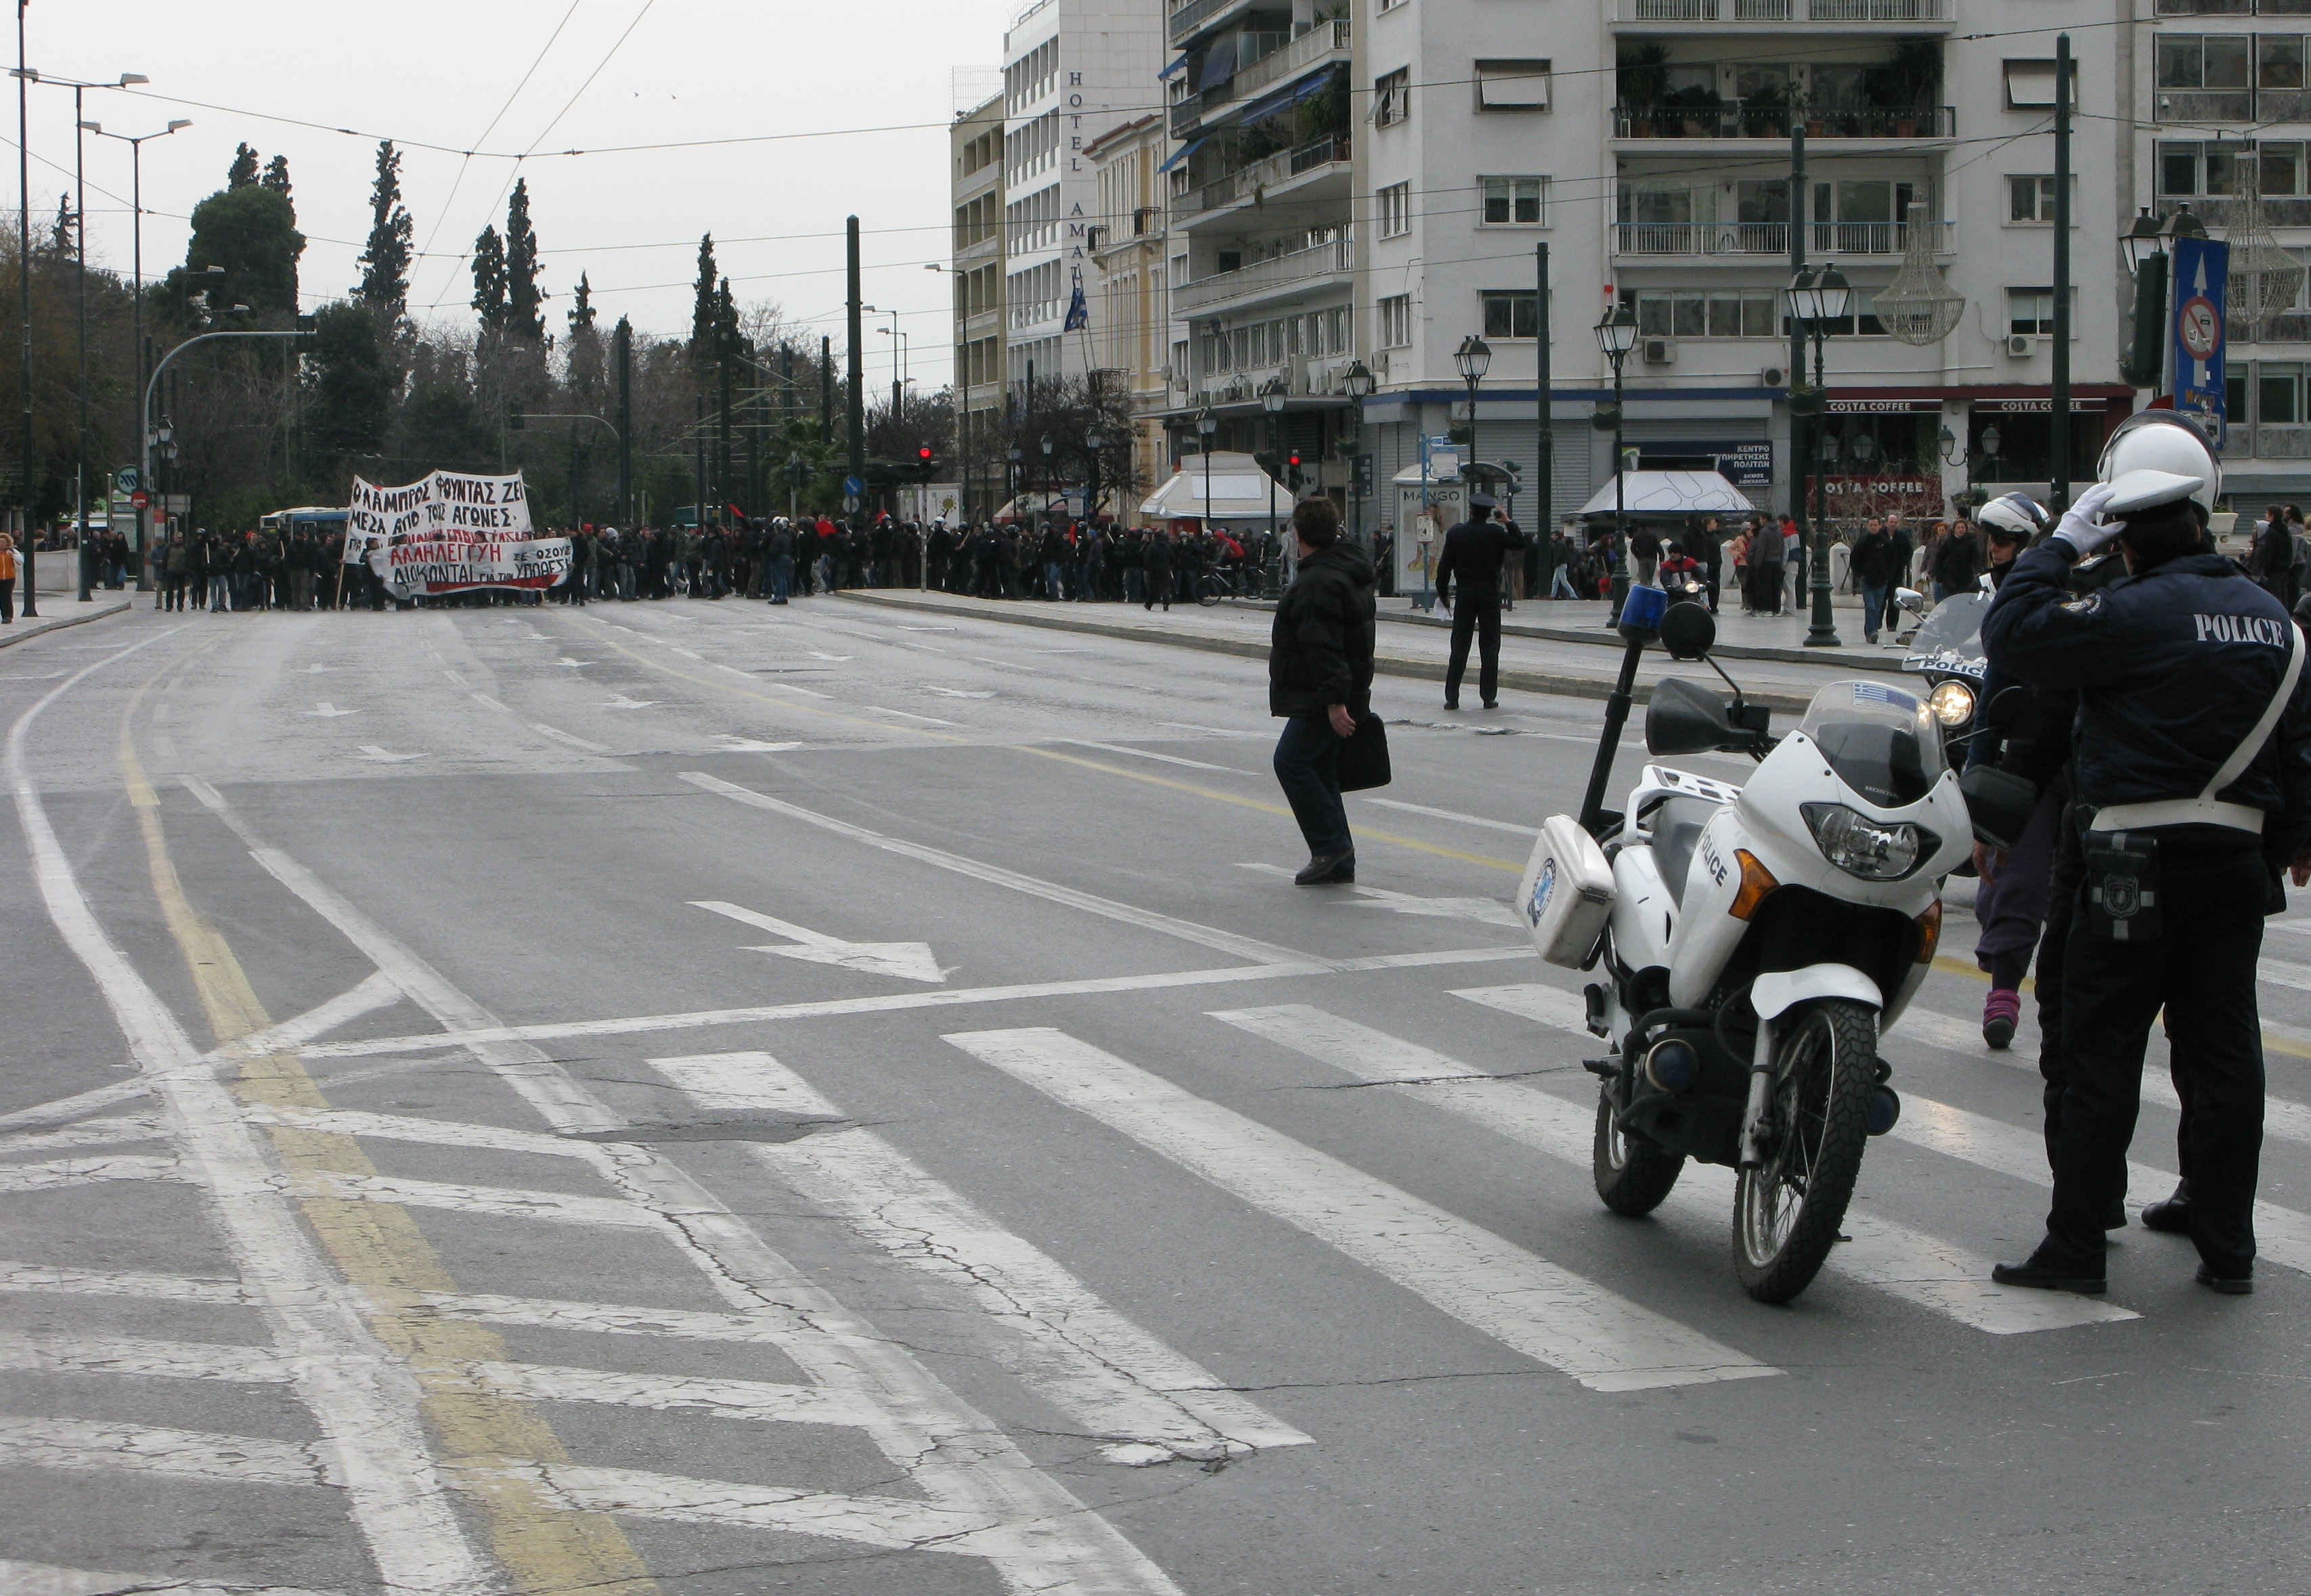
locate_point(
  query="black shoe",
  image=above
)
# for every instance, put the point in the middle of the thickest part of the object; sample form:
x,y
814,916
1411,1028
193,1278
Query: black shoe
x,y
2044,1277
2172,1217
2228,1285
1492,703
1327,870
1451,704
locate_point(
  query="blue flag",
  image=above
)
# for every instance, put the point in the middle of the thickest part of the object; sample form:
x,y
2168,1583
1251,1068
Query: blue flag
x,y
1079,312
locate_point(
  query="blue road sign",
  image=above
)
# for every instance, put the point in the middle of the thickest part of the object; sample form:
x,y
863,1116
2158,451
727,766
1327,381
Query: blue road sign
x,y
853,486
2198,332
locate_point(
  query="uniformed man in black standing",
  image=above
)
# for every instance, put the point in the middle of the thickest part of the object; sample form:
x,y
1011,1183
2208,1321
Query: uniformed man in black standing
x,y
1475,551
2193,770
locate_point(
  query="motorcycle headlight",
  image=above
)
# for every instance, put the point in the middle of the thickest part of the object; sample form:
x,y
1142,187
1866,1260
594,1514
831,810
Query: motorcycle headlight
x,y
1952,704
1872,849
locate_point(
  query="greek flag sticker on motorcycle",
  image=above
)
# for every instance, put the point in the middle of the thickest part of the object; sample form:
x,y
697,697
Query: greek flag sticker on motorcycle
x,y
1543,885
1879,693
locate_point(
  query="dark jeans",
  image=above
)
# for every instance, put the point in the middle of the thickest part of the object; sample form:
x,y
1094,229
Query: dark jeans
x,y
1308,769
8,600
2202,972
1480,619
1873,605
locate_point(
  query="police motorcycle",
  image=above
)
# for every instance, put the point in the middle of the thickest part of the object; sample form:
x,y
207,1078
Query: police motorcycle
x,y
1751,942
1947,648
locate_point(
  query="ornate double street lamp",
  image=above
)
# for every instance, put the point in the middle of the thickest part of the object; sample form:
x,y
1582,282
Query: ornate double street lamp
x,y
1617,334
1820,296
1207,424
1271,400
1358,383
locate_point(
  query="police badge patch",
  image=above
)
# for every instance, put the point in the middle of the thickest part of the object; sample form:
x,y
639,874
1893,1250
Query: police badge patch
x,y
2086,606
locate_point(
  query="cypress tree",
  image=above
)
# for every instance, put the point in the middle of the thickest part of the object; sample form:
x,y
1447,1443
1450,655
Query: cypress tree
x,y
490,279
243,171
704,308
385,264
276,175
523,317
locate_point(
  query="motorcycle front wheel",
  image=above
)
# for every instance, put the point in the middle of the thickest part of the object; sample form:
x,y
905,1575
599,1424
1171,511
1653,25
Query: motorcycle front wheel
x,y
1786,1213
1633,1175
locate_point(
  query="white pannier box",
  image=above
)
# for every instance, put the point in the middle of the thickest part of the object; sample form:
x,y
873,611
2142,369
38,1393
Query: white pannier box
x,y
1566,893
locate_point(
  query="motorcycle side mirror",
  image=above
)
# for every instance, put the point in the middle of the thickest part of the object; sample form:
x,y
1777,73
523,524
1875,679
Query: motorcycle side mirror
x,y
1687,631
1911,599
2005,711
1685,718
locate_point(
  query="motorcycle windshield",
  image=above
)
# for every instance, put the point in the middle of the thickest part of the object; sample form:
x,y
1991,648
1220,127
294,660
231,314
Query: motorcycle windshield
x,y
1950,641
1882,742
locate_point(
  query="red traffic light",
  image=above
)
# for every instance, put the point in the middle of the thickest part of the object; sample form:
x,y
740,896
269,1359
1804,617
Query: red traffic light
x,y
1295,459
924,453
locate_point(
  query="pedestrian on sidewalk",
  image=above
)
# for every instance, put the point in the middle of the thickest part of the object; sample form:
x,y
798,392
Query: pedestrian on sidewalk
x,y
1957,562
1874,574
1766,548
1320,672
1645,550
1475,551
7,579
1159,570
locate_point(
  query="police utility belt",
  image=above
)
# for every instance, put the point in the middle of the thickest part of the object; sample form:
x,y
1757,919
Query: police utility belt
x,y
2123,864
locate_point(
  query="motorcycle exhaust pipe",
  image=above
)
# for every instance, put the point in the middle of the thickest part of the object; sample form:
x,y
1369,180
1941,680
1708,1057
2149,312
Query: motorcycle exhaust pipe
x,y
1672,1065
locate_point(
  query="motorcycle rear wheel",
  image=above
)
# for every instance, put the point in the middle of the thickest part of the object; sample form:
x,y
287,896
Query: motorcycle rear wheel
x,y
1633,1175
1787,1212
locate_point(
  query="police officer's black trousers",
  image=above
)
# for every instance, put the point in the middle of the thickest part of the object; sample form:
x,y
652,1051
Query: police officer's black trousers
x,y
1478,618
2202,972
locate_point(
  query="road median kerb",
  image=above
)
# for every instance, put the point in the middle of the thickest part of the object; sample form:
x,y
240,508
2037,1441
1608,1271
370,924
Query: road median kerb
x,y
1563,685
43,625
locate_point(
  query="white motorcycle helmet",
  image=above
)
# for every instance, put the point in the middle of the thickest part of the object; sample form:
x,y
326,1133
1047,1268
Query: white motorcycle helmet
x,y
2156,457
2017,515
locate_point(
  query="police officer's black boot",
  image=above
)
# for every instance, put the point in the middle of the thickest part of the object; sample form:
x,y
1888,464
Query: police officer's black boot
x,y
2172,1217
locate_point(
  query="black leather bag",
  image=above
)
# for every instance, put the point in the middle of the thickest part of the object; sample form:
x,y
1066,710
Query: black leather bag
x,y
1364,757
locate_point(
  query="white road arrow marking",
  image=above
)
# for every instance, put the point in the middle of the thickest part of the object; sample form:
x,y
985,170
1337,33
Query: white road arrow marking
x,y
909,961
328,710
315,670
622,702
579,664
838,659
376,755
1483,909
734,743
957,693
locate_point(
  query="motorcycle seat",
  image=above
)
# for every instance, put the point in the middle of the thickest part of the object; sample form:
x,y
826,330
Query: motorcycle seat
x,y
1678,825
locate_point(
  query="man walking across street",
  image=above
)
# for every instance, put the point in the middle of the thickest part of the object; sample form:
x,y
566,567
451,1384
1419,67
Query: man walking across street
x,y
1874,574
2193,764
1474,552
1320,672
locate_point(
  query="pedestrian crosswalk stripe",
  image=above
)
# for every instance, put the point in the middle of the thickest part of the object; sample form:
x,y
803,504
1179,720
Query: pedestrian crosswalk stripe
x,y
30,1443
51,1173
1550,1315
498,1201
1060,1337
45,1579
2282,1120
888,1522
1932,1273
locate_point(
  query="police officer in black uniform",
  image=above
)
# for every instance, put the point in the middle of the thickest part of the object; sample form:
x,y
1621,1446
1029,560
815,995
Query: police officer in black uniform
x,y
2193,780
1475,551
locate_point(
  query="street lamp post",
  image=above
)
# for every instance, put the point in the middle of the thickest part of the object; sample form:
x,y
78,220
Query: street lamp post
x,y
1617,334
136,143
144,414
1044,511
1207,424
1271,400
2148,247
1358,383
1011,481
1820,296
1093,443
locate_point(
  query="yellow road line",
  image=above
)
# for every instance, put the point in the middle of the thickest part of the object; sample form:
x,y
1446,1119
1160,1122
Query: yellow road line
x,y
488,1439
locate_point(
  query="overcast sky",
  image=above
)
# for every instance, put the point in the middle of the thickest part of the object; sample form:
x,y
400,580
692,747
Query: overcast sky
x,y
452,76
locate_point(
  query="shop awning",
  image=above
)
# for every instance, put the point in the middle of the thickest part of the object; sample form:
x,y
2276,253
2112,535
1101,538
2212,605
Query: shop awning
x,y
1180,154
1174,69
1672,493
1240,491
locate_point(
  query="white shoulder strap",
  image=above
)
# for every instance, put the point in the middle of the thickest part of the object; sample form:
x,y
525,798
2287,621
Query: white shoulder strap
x,y
2244,754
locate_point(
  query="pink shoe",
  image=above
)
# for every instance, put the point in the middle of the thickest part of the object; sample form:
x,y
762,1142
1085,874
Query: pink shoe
x,y
2001,1011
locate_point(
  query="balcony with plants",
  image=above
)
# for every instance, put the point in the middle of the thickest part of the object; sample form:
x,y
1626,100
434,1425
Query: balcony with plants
x,y
1289,148
1231,69
1659,96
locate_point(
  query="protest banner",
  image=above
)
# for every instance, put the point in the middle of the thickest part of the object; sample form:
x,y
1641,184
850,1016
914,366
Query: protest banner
x,y
451,531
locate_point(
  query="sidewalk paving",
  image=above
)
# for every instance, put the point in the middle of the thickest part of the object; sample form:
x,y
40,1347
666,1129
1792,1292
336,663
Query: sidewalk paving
x,y
58,612
1534,658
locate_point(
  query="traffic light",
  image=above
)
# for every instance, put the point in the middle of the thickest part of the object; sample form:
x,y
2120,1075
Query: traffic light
x,y
1293,477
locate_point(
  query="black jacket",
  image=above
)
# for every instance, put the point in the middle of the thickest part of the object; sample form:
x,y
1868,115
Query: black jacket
x,y
2172,668
1319,652
1957,562
1474,552
1874,560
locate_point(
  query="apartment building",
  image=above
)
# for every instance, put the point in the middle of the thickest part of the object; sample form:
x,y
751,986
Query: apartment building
x,y
1073,70
2224,112
1130,306
976,273
1261,108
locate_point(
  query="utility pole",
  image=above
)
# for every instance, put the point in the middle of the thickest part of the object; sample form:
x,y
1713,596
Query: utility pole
x,y
80,315
854,400
625,341
722,463
2058,407
24,261
697,444
826,391
1543,463
1800,431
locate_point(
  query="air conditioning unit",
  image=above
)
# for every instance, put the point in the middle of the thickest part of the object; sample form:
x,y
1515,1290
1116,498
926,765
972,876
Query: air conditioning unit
x,y
1660,351
2022,345
1773,377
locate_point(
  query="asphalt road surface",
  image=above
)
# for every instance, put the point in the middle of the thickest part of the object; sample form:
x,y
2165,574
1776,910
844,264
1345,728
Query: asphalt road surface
x,y
708,1099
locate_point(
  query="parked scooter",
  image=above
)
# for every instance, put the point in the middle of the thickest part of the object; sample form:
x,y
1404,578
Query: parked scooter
x,y
1752,942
